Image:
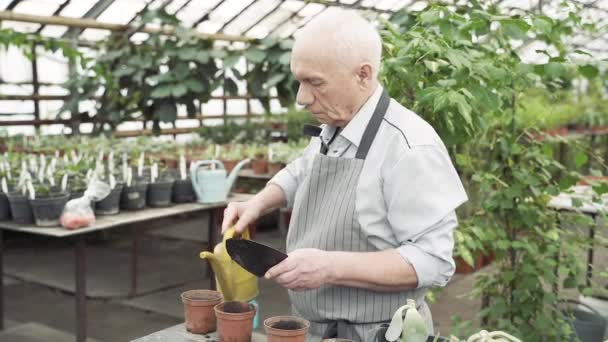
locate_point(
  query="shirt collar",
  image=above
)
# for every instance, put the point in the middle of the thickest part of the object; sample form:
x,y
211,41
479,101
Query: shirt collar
x,y
356,127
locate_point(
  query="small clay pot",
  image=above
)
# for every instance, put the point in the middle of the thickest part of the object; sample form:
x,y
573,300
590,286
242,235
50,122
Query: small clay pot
x,y
259,166
229,164
234,321
286,329
198,310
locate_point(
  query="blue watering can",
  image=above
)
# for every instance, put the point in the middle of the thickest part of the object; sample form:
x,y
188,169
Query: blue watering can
x,y
210,182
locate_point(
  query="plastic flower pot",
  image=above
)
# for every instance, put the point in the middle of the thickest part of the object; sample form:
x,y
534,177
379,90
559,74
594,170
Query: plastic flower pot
x,y
198,310
159,194
111,204
234,321
286,329
47,210
183,192
21,211
134,197
5,208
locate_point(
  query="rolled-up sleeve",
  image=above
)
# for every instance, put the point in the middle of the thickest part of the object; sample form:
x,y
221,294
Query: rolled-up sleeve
x,y
290,177
422,190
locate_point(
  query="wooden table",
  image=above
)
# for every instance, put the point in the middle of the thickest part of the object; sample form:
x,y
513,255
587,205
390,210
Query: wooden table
x,y
136,220
584,193
178,333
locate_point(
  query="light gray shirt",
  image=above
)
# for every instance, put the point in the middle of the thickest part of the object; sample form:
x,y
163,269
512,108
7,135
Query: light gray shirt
x,y
408,188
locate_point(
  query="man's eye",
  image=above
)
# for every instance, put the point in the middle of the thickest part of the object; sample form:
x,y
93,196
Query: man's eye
x,y
316,84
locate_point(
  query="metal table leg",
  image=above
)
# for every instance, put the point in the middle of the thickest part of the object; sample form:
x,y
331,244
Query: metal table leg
x,y
1,280
134,254
81,304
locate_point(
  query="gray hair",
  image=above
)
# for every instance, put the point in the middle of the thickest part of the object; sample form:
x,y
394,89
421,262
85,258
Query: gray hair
x,y
349,38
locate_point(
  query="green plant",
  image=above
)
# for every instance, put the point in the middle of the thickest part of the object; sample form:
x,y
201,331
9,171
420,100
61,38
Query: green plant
x,y
296,119
458,69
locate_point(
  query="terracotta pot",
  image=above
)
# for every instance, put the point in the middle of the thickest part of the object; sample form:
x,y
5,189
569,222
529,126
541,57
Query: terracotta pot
x,y
229,164
259,166
286,329
234,321
273,168
463,268
198,310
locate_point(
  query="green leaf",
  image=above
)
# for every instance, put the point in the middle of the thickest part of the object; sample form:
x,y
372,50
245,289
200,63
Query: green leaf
x,y
230,61
161,91
432,65
165,111
580,159
429,17
588,71
202,57
285,58
231,87
543,24
179,90
458,58
274,80
255,55
194,85
554,69
515,28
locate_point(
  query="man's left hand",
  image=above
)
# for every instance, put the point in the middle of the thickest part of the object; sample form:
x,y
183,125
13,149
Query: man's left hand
x,y
304,269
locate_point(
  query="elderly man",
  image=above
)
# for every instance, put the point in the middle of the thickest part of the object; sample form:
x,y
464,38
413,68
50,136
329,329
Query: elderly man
x,y
373,196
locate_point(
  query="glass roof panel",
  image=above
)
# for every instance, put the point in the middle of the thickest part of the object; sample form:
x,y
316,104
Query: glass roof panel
x,y
195,10
250,16
78,8
37,7
121,11
53,31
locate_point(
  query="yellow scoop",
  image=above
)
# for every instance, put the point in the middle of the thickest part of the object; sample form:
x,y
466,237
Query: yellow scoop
x,y
234,282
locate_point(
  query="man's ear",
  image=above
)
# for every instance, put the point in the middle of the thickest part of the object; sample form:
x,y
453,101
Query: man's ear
x,y
364,74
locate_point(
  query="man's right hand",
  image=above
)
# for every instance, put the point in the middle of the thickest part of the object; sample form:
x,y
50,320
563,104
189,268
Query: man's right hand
x,y
243,213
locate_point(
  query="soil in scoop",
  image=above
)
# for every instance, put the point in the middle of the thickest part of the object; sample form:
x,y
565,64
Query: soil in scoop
x,y
235,307
287,325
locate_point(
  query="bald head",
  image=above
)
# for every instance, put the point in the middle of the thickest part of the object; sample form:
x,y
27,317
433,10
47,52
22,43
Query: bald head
x,y
343,37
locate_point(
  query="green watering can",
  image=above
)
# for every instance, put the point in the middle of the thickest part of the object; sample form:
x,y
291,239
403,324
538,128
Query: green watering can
x,y
210,182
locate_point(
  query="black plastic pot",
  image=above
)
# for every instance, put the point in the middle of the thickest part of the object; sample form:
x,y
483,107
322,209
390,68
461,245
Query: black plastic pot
x,y
183,192
111,204
5,208
134,197
21,211
77,193
47,210
159,194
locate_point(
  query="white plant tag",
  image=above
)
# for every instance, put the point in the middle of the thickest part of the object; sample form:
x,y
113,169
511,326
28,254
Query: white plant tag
x,y
64,182
129,176
112,181
30,189
4,185
182,167
217,151
140,165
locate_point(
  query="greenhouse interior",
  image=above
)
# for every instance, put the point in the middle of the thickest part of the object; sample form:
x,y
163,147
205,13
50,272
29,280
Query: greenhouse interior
x,y
205,170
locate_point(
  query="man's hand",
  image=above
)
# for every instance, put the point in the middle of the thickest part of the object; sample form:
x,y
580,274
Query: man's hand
x,y
304,269
243,213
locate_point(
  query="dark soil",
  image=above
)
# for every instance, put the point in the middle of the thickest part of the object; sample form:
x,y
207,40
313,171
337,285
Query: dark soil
x,y
287,325
235,307
202,296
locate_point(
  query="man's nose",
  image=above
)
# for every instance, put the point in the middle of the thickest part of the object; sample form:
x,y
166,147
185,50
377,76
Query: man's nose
x,y
304,96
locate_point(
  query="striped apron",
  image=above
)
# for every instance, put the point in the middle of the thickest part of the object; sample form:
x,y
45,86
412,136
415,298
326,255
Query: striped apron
x,y
324,218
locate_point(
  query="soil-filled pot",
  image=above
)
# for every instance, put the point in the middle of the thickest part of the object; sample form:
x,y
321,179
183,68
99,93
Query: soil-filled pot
x,y
259,166
134,197
111,204
198,310
159,194
47,210
234,321
183,192
286,329
21,211
5,208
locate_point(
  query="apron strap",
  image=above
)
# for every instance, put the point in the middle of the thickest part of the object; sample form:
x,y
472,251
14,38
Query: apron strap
x,y
373,126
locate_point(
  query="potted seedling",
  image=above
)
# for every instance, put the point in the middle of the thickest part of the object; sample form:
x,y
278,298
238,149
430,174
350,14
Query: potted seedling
x,y
160,188
134,193
230,155
47,201
21,211
259,161
183,192
278,157
110,205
